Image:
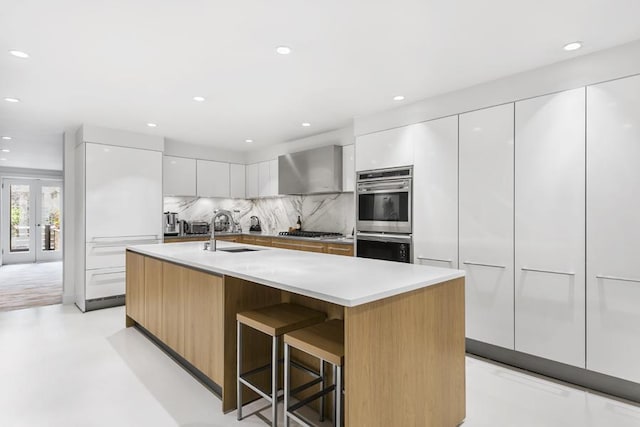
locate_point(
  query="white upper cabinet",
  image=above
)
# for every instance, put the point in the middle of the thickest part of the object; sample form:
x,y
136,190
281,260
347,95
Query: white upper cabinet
x,y
251,184
178,176
123,196
550,227
264,179
435,193
237,185
386,149
267,178
613,228
348,168
273,178
486,223
213,179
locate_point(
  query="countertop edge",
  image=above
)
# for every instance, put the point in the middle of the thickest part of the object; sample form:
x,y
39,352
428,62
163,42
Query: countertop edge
x,y
455,274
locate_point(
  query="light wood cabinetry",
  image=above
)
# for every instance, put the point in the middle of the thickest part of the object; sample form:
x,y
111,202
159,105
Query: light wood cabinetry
x,y
300,245
234,239
174,283
213,179
178,176
435,193
613,228
153,295
135,287
339,249
550,227
415,343
204,323
486,223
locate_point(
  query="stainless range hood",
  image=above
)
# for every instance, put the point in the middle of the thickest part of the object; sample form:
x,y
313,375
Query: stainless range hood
x,y
311,172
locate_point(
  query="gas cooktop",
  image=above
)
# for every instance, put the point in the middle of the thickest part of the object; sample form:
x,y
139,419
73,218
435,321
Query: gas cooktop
x,y
316,234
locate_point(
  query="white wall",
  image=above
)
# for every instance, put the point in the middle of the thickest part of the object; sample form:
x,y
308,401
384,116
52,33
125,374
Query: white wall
x,y
342,136
68,219
577,72
194,151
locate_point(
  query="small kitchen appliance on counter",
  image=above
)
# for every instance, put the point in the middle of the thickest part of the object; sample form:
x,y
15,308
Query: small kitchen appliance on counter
x,y
198,227
255,224
170,224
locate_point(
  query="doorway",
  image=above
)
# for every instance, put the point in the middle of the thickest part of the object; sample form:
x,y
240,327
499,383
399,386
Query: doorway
x,y
31,240
32,220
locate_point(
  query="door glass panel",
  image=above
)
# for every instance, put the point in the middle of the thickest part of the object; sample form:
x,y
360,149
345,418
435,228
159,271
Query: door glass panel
x,y
50,220
19,195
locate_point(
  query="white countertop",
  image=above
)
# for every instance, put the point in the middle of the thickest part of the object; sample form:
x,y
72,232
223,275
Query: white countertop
x,y
343,280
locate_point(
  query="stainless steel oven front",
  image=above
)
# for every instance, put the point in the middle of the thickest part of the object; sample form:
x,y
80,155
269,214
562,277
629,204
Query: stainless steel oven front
x,y
384,200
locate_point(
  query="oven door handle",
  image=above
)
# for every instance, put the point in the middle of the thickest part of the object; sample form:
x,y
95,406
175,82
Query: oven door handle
x,y
380,237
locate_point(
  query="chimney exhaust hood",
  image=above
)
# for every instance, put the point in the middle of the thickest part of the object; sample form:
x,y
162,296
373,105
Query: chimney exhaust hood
x,y
311,172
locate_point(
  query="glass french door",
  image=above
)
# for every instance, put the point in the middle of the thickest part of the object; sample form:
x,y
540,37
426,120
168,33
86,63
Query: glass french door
x,y
31,220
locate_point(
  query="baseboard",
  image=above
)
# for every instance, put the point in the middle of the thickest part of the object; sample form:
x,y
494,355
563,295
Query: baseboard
x,y
581,377
106,302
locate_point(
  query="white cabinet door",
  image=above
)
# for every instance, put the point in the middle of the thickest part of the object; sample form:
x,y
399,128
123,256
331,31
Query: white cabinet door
x,y
486,223
273,178
613,228
435,194
550,227
252,187
237,187
348,168
213,179
123,193
264,179
386,149
178,176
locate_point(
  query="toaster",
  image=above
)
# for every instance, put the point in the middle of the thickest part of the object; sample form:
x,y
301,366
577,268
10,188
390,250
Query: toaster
x,y
198,227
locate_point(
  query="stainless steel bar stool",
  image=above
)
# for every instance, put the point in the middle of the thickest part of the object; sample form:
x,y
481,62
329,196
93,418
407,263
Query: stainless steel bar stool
x,y
326,342
274,321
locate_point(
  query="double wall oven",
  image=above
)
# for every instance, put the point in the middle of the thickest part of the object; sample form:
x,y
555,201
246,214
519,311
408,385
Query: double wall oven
x,y
383,209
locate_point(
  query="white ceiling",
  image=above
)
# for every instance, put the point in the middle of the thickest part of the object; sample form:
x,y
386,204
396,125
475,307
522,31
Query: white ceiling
x,y
123,63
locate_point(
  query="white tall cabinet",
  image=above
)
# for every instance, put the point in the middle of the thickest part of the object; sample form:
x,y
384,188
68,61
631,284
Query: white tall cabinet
x,y
118,203
435,193
486,223
550,227
613,228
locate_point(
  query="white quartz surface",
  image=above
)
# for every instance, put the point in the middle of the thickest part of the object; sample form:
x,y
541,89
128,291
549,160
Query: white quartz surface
x,y
343,280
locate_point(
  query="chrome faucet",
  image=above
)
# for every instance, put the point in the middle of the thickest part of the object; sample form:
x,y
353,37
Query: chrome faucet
x,y
211,244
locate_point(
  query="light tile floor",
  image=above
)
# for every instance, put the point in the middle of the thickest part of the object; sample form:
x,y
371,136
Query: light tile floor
x,y
59,367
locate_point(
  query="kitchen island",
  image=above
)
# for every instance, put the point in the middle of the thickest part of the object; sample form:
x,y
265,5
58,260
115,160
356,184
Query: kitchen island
x,y
404,323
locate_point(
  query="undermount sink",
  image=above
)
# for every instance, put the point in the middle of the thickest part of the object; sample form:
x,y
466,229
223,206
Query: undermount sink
x,y
235,250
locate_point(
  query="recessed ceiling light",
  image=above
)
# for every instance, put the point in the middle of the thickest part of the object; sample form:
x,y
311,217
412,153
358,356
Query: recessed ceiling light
x,y
5,150
249,141
572,46
199,98
9,99
306,124
152,125
19,54
283,50
398,98
7,138
2,159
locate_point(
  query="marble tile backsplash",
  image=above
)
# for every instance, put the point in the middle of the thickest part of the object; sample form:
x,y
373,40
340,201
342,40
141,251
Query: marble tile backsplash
x,y
324,212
